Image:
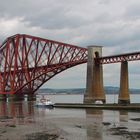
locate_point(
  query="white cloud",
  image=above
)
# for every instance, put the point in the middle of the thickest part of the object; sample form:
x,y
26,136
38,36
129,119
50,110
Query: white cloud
x,y
112,24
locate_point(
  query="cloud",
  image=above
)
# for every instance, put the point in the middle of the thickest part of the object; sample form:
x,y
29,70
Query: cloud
x,y
112,24
132,11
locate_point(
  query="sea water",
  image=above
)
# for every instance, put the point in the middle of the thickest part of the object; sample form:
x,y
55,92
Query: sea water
x,y
22,120
78,98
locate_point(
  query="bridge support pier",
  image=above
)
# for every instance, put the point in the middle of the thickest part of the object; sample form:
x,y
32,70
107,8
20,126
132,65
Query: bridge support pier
x,y
94,85
16,97
31,97
124,97
3,97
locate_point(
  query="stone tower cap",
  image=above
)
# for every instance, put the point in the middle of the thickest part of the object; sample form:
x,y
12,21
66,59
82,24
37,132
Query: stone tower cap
x,y
96,46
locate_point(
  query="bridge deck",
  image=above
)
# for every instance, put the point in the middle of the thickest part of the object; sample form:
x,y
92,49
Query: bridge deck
x,y
118,58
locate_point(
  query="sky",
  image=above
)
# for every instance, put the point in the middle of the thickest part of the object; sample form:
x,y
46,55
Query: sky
x,y
108,23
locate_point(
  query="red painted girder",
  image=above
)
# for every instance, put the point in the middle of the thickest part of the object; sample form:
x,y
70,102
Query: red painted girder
x,y
39,68
27,62
118,58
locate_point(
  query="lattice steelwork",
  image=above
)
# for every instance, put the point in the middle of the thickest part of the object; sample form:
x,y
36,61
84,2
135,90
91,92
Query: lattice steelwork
x,y
27,62
118,58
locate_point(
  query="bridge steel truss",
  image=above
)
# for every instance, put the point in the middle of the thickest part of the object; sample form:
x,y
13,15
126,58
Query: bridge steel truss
x,y
118,58
27,62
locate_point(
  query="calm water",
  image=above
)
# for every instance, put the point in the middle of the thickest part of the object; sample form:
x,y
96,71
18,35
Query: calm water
x,y
135,98
17,120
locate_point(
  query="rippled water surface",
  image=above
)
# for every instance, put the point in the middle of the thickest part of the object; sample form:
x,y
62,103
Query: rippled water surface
x,y
135,98
22,120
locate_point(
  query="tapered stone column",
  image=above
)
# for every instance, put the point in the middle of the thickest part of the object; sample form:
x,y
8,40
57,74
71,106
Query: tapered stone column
x,y
94,85
124,97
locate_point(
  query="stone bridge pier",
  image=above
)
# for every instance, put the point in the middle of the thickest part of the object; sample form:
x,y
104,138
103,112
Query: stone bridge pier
x,y
124,97
94,87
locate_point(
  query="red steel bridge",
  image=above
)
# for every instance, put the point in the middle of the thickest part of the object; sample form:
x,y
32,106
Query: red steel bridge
x,y
27,62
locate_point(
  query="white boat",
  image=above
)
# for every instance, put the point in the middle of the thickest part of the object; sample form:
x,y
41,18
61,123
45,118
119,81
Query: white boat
x,y
98,102
43,102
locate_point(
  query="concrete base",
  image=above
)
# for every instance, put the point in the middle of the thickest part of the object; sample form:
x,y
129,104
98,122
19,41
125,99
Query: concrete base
x,y
123,102
31,97
92,100
3,97
16,97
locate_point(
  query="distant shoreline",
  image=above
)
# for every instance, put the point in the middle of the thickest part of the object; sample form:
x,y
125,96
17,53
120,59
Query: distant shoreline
x,y
107,90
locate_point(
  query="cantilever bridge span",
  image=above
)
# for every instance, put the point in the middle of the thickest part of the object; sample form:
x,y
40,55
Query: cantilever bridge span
x,y
27,62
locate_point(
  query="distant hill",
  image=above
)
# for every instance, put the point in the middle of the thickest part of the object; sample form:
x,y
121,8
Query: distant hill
x,y
108,90
63,91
